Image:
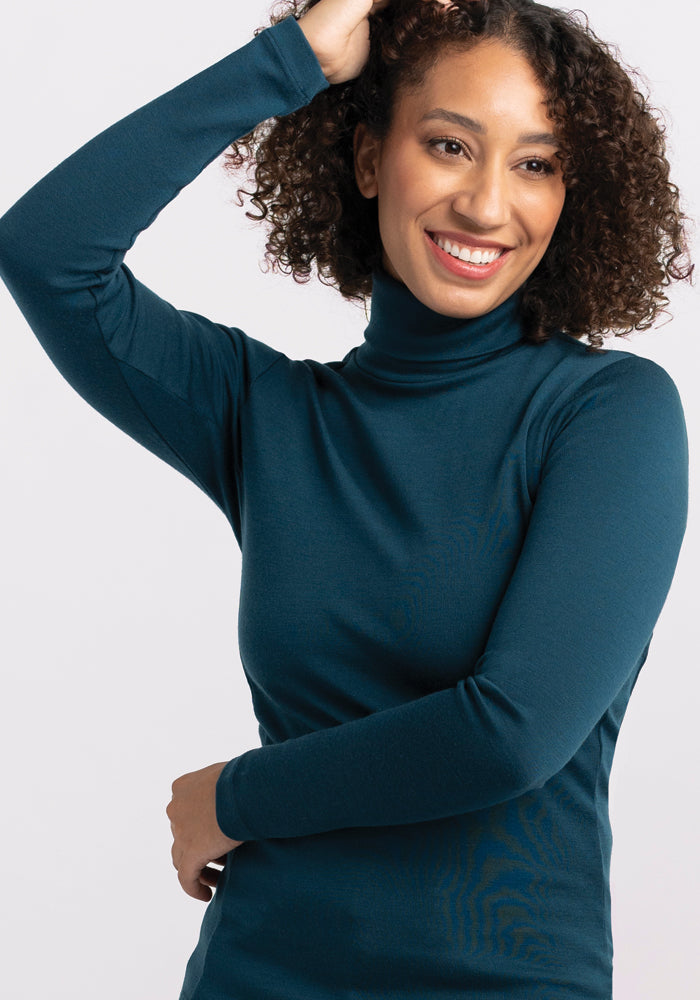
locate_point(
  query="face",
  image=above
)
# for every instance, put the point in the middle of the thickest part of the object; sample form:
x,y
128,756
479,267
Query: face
x,y
468,186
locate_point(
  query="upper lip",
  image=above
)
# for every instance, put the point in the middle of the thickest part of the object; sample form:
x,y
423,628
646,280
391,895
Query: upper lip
x,y
467,240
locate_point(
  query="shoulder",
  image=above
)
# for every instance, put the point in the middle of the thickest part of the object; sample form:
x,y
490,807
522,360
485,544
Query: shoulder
x,y
616,407
621,379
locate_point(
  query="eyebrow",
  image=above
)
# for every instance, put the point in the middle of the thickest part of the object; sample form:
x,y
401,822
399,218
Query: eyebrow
x,y
538,138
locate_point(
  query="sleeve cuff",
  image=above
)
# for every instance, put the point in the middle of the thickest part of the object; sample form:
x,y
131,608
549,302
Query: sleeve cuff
x,y
293,50
228,816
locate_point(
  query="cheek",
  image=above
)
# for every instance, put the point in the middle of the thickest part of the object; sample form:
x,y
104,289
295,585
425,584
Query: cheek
x,y
395,206
549,210
409,185
538,213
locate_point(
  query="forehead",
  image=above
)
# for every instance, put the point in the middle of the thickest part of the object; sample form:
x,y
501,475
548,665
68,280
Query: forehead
x,y
490,82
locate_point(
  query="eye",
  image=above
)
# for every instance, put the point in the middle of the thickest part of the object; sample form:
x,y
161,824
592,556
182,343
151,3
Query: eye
x,y
452,147
537,167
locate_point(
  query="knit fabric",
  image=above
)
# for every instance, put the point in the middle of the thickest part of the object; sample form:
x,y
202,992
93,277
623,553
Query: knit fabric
x,y
455,547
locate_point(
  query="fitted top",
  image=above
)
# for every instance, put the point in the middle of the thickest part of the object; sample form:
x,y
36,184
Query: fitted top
x,y
455,547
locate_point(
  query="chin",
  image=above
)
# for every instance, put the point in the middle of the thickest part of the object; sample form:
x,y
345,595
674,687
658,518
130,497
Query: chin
x,y
460,303
446,297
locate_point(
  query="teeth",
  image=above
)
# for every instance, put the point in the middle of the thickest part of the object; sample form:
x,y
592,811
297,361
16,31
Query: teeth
x,y
466,254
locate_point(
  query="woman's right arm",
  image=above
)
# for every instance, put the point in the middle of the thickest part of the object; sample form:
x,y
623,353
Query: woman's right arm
x,y
170,379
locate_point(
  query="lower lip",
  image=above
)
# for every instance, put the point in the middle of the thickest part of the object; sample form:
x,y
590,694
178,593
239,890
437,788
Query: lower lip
x,y
462,268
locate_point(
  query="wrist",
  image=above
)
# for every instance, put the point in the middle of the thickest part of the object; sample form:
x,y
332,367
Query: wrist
x,y
310,36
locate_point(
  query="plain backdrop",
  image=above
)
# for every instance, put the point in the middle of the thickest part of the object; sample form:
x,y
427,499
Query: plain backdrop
x,y
120,579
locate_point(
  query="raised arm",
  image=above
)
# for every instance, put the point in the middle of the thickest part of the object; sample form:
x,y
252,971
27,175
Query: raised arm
x,y
572,630
170,379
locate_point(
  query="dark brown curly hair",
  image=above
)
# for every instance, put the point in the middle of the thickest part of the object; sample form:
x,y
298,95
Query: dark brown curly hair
x,y
620,238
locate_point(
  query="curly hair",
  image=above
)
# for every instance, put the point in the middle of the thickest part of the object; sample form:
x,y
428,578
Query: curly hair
x,y
620,239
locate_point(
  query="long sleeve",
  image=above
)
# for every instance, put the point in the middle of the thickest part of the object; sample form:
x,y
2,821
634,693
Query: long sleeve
x,y
170,379
573,626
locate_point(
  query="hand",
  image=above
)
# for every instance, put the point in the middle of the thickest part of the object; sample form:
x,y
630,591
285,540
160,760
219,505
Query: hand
x,y
338,32
197,837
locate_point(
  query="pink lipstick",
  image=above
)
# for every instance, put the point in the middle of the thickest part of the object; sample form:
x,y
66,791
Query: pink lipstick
x,y
465,269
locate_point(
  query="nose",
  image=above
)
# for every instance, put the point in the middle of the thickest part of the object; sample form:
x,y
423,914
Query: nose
x,y
482,197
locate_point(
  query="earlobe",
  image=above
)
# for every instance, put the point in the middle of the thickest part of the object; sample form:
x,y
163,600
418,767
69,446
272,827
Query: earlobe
x,y
366,149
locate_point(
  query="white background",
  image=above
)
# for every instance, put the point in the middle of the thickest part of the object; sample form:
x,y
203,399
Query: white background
x,y
119,579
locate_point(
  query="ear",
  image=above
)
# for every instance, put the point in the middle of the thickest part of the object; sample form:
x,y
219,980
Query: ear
x,y
366,148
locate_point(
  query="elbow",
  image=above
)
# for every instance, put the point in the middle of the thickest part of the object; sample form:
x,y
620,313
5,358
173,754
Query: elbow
x,y
532,771
31,254
537,750
7,251
520,768
15,268
521,752
11,232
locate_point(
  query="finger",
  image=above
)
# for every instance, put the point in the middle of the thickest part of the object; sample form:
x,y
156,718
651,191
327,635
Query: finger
x,y
210,876
193,887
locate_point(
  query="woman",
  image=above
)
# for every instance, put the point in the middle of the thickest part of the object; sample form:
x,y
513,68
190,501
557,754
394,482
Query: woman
x,y
456,541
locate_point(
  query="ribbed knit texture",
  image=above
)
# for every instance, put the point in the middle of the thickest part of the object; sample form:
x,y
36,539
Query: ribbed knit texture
x,y
455,548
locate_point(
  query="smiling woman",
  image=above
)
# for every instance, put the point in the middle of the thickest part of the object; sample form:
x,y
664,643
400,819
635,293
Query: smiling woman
x,y
491,187
456,540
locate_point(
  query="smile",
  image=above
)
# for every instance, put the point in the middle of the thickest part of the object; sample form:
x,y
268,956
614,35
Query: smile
x,y
478,264
471,255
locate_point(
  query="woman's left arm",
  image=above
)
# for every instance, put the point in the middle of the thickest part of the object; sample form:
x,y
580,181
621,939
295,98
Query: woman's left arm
x,y
574,624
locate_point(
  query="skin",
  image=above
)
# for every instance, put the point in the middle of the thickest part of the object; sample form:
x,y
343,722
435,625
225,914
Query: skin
x,y
197,836
437,176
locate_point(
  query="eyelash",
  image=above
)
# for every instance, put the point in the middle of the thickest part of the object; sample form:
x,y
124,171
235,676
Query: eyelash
x,y
545,164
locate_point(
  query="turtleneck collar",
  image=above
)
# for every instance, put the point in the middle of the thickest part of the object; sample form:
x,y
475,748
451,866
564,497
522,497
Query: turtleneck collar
x,y
406,338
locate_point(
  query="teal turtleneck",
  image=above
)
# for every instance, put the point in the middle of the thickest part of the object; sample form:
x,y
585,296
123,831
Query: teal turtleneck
x,y
404,337
455,546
